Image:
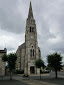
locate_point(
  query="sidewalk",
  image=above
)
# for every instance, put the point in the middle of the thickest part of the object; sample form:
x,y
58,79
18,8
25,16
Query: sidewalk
x,y
35,74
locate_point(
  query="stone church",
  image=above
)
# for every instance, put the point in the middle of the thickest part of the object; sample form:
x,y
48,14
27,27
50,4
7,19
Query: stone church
x,y
29,51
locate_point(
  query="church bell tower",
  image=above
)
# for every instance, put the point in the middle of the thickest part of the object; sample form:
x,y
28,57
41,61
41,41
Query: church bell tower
x,y
29,51
32,49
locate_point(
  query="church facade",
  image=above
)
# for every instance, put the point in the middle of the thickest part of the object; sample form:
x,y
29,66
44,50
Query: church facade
x,y
29,51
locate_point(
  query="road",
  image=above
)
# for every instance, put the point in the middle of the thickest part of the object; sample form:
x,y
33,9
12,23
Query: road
x,y
11,82
43,76
47,79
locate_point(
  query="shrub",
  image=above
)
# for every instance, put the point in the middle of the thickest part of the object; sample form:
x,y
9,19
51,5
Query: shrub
x,y
19,71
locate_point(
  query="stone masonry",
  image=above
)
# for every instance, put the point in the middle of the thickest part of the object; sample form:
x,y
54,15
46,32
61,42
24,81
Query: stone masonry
x,y
2,64
29,51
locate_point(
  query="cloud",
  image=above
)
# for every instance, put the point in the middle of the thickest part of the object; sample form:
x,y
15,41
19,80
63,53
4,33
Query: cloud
x,y
10,40
49,16
11,19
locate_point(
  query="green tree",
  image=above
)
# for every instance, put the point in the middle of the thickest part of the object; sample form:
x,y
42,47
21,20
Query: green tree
x,y
39,63
4,58
54,61
11,59
11,63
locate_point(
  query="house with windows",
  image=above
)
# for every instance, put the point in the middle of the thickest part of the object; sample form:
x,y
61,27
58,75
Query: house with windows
x,y
2,64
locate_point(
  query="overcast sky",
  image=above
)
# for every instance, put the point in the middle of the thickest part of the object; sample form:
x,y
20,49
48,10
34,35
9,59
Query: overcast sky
x,y
49,16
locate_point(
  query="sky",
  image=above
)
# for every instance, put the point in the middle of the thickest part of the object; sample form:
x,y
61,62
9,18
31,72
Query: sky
x,y
49,17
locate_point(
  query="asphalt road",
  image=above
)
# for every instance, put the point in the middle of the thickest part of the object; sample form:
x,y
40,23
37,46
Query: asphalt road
x,y
11,82
47,79
43,76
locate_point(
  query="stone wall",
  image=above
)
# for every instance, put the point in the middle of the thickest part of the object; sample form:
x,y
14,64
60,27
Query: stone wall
x,y
2,64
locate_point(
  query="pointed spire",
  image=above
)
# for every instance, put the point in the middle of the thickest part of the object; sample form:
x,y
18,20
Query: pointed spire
x,y
30,15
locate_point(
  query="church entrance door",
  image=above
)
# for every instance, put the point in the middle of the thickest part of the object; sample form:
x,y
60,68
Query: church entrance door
x,y
32,69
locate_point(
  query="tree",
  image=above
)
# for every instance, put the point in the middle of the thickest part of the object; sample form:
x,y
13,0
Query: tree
x,y
4,58
54,61
39,63
11,59
11,63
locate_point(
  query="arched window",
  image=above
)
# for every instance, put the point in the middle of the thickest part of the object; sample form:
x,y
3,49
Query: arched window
x,y
30,29
33,52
